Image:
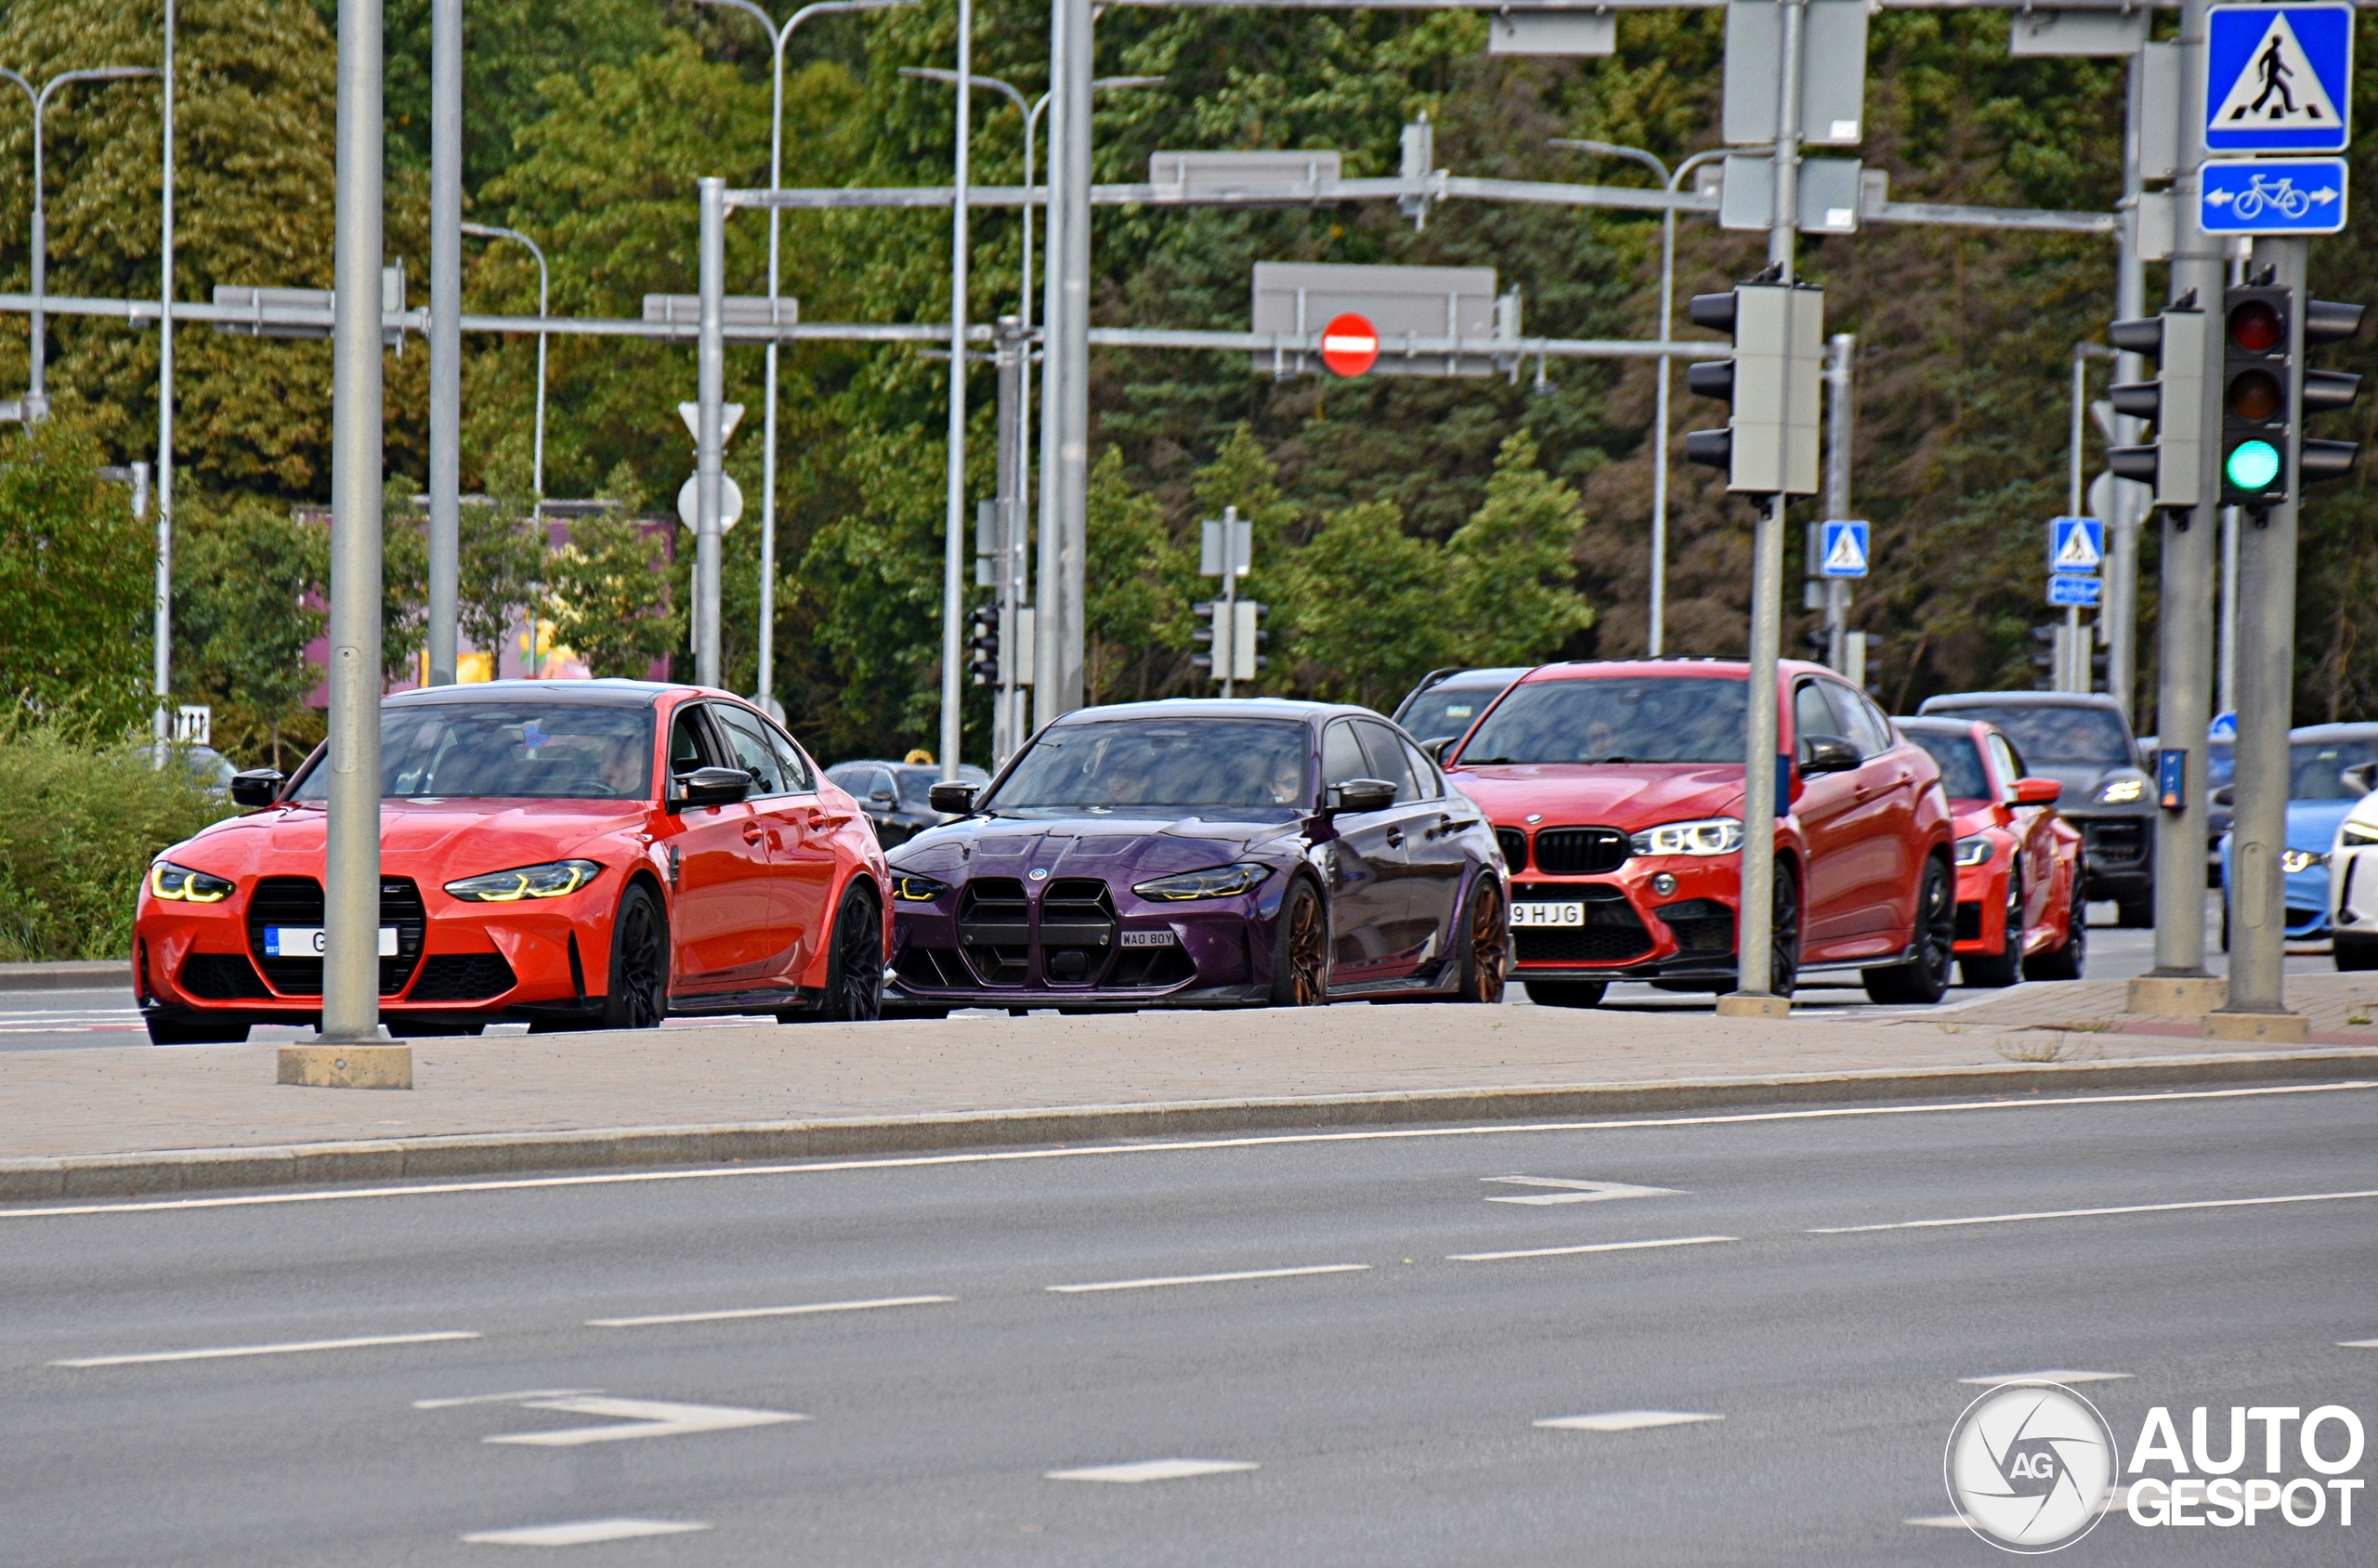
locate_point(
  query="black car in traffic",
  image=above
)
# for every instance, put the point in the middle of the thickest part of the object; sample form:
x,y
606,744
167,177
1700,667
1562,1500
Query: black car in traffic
x,y
897,797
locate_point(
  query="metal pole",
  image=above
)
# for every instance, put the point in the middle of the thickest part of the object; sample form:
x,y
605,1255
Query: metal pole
x,y
446,339
1049,568
544,290
1840,367
2073,673
710,437
351,890
2184,672
953,560
1069,341
2121,612
1227,621
2227,701
1008,354
163,672
36,382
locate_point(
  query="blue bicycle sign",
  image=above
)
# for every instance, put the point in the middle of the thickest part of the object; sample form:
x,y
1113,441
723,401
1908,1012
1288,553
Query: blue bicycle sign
x,y
2272,196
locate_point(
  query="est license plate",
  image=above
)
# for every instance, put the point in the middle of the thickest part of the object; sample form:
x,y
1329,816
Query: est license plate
x,y
308,942
1548,914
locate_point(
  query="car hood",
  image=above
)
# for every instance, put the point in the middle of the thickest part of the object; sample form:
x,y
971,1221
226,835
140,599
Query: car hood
x,y
1088,846
2313,824
2083,781
1628,797
460,837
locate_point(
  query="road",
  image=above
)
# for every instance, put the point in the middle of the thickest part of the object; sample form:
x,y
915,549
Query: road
x,y
1379,1405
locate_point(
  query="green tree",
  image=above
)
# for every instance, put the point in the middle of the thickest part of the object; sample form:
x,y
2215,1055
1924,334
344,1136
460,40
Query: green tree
x,y
1128,602
76,575
250,582
503,571
1513,599
610,598
1368,607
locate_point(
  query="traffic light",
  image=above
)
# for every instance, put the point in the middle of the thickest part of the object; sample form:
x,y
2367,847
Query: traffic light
x,y
1773,384
2326,320
983,641
2172,402
1240,661
2255,364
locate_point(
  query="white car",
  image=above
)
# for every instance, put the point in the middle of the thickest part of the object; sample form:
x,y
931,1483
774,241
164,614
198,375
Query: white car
x,y
2352,887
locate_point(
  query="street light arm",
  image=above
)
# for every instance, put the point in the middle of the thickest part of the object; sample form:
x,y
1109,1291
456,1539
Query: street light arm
x,y
932,73
834,8
98,74
1693,162
1612,150
31,97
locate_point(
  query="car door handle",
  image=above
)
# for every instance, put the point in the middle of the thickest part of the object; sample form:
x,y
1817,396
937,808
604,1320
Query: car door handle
x,y
753,832
1395,838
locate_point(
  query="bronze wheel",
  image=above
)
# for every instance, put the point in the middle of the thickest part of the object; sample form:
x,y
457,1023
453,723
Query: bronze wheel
x,y
1300,955
1485,953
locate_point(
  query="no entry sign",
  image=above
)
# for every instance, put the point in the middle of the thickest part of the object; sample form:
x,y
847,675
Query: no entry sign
x,y
1349,344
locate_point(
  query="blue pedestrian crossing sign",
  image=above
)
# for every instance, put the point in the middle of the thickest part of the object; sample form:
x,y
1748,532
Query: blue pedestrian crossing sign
x,y
2272,196
2075,544
1845,548
2073,592
2278,78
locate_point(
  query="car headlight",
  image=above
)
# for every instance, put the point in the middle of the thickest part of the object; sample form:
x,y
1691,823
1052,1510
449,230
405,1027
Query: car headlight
x,y
180,885
2121,792
1974,851
2295,860
555,879
2355,835
1214,881
908,887
1711,835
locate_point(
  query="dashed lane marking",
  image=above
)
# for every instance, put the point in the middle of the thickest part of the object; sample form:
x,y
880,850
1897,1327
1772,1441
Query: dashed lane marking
x,y
585,1531
1596,1247
1628,1421
1152,1470
515,1397
1205,1278
1997,1379
735,1314
290,1347
2090,1213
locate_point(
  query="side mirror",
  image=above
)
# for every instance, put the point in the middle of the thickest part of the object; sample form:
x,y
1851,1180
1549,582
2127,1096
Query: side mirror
x,y
1827,753
1441,749
2360,779
1359,796
951,799
882,797
259,786
2224,797
711,786
2037,791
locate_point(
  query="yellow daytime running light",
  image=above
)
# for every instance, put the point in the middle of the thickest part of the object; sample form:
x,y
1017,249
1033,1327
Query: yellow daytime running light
x,y
182,885
1215,882
910,888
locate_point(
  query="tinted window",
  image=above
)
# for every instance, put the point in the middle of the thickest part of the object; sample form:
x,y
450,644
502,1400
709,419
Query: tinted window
x,y
1169,766
749,742
798,776
1387,760
1810,716
916,787
2010,765
1447,710
2220,765
1341,755
2313,766
1858,719
2086,736
1962,777
544,751
1424,772
1653,719
689,745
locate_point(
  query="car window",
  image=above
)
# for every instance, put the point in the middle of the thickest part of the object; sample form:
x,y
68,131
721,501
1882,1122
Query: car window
x,y
1962,778
874,781
1447,710
2088,736
1172,765
689,742
1431,782
1876,717
1341,755
916,787
489,748
1387,760
1613,719
1856,720
750,745
1811,715
2010,766
2313,767
799,776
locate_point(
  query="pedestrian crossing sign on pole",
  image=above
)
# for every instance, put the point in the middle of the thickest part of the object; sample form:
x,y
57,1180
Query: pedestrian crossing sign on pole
x,y
2075,544
1845,550
2278,78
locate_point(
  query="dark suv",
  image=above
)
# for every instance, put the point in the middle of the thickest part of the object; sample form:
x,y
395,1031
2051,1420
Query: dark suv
x,y
2083,743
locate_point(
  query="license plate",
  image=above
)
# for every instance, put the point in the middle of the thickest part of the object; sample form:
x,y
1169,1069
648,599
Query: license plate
x,y
309,942
1147,939
1548,914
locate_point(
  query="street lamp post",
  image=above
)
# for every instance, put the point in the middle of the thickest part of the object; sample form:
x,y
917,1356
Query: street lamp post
x,y
1655,638
489,231
37,385
777,37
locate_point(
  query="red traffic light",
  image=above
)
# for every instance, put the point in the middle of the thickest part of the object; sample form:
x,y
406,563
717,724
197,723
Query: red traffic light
x,y
2254,326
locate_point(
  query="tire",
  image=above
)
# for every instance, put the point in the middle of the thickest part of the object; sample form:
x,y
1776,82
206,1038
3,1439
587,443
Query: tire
x,y
2065,960
2355,952
1783,952
854,963
186,1031
1483,952
2225,924
639,986
1301,949
1994,970
1565,993
2134,914
1924,979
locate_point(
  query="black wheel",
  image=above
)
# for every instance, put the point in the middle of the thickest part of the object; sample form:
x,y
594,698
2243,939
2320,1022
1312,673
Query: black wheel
x,y
1565,993
2225,924
639,997
1924,979
1484,951
1300,951
1783,953
2004,966
2135,914
853,964
2355,952
190,1031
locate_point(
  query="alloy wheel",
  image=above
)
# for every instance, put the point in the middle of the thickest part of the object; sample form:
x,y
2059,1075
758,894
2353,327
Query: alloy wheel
x,y
1784,960
862,961
1490,958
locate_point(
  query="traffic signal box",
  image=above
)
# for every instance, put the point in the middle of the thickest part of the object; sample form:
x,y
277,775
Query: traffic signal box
x,y
983,645
2255,358
1241,659
2172,402
2326,320
1773,385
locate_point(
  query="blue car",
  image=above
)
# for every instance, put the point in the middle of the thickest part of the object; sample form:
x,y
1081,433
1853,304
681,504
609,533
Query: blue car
x,y
2318,796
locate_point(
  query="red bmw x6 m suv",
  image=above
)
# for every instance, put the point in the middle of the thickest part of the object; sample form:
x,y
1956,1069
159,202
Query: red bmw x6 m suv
x,y
1617,790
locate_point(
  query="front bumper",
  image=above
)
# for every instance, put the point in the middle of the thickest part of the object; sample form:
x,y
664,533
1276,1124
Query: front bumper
x,y
2352,903
1982,906
1631,932
2118,850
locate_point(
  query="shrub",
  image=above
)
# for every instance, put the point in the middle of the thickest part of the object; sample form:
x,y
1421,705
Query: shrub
x,y
79,824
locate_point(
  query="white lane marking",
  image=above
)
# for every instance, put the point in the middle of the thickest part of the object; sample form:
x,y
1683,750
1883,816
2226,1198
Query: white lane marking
x,y
1628,1421
1152,1470
2116,1502
733,1313
640,1418
288,1348
515,1397
1573,1252
2359,1345
1995,1379
2089,1213
1207,1278
585,1531
1573,1192
1183,1146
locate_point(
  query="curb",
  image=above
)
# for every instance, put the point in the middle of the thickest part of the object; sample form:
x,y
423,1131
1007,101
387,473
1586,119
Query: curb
x,y
103,975
613,1148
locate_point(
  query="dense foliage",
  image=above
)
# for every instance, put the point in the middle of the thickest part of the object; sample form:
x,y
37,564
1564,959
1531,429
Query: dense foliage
x,y
1400,523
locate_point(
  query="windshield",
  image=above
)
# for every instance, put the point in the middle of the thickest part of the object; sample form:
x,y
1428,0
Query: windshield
x,y
542,751
2313,768
1167,767
1447,710
2073,736
1962,778
2220,764
1655,719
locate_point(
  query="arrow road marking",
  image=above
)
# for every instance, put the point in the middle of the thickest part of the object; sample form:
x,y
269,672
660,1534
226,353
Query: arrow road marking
x,y
1573,1192
640,1418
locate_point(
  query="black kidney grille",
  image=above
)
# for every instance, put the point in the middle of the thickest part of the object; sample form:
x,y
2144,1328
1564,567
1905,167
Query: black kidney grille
x,y
1077,930
298,901
222,977
1612,934
1702,925
995,930
1514,844
1573,852
463,977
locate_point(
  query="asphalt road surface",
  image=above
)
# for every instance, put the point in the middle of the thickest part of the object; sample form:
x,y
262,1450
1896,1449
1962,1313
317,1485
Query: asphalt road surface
x,y
65,1020
912,1360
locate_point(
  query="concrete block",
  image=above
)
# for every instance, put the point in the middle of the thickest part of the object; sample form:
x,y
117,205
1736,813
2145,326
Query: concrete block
x,y
1752,1004
2176,995
2278,1028
347,1066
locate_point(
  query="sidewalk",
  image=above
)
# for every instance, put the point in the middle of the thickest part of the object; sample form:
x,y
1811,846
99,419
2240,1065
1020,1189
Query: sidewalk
x,y
147,1119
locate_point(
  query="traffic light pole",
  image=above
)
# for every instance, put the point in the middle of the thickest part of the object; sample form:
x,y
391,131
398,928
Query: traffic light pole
x,y
445,338
709,429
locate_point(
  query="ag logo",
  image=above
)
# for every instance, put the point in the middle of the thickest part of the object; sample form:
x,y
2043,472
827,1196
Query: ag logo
x,y
2031,1466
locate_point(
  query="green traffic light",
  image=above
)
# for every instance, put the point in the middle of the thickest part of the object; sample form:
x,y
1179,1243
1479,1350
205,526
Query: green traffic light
x,y
2253,464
